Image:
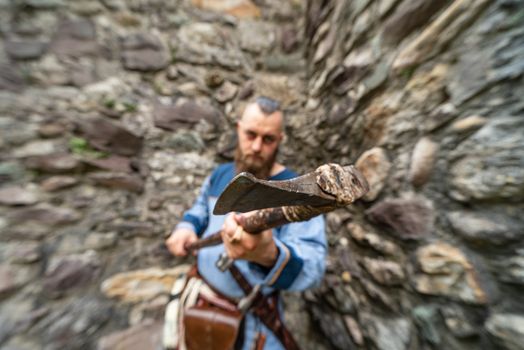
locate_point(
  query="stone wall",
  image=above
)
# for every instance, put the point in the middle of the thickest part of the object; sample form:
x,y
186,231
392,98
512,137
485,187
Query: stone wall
x,y
425,97
113,112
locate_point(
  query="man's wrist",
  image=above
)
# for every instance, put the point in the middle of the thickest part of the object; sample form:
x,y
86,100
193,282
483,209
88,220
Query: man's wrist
x,y
270,257
184,225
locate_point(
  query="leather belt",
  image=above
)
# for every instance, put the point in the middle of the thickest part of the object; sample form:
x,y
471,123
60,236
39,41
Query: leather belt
x,y
265,308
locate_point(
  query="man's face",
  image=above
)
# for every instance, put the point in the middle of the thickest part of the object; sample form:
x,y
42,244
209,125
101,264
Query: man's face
x,y
259,136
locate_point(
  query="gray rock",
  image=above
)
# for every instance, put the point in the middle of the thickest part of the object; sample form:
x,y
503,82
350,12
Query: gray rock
x,y
64,273
100,241
492,49
116,180
13,316
147,335
140,41
50,71
110,137
114,5
467,124
373,240
408,218
145,60
31,230
19,343
408,17
75,38
43,4
490,164
457,322
387,273
485,228
163,164
299,322
37,148
422,161
186,141
111,163
45,214
256,36
434,38
21,252
511,269
339,298
81,29
426,318
53,163
74,323
25,50
374,80
333,327
379,295
17,196
387,333
13,277
52,129
445,270
226,92
374,165
507,329
354,330
56,183
14,133
202,43
184,114
440,116
289,38
11,171
246,90
7,281
130,229
86,7
11,79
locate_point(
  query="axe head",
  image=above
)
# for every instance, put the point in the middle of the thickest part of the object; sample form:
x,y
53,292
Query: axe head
x,y
329,185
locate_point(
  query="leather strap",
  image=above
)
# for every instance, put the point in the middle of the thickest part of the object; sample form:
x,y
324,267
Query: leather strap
x,y
266,309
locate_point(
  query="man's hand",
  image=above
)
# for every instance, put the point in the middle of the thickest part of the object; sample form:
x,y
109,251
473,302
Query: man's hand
x,y
259,248
179,239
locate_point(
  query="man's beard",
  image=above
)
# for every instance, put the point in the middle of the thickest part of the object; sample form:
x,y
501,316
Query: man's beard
x,y
261,169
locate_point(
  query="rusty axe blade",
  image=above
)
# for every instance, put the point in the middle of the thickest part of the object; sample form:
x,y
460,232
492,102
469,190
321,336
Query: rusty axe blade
x,y
328,185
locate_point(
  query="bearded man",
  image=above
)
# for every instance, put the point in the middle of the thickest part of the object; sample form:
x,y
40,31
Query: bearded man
x,y
290,257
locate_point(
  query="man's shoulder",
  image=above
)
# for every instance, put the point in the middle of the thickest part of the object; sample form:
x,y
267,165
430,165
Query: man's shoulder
x,y
285,174
223,169
220,177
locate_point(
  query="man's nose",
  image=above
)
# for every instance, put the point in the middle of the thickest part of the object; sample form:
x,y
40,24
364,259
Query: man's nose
x,y
256,146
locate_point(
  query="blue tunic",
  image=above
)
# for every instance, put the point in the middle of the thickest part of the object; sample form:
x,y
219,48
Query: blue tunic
x,y
300,263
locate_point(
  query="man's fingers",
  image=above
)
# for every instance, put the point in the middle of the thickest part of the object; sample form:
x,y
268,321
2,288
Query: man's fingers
x,y
179,240
190,240
237,235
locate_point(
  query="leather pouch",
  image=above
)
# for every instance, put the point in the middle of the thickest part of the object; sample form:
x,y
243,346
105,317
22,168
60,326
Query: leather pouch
x,y
208,327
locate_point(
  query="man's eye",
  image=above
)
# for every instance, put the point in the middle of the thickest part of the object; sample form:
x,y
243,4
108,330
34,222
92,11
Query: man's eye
x,y
251,135
268,139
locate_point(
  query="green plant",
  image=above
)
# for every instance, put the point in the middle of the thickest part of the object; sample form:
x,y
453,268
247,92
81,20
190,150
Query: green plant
x,y
407,72
109,103
80,146
130,107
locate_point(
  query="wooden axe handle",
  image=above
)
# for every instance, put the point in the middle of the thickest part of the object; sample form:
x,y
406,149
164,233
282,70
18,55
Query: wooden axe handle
x,y
264,219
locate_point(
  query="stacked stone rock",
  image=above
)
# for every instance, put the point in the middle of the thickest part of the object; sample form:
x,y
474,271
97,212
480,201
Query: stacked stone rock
x,y
113,112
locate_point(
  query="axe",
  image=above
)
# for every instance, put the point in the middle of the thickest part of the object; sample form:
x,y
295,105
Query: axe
x,y
276,203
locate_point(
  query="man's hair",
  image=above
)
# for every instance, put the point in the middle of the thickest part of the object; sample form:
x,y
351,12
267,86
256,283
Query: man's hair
x,y
267,104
